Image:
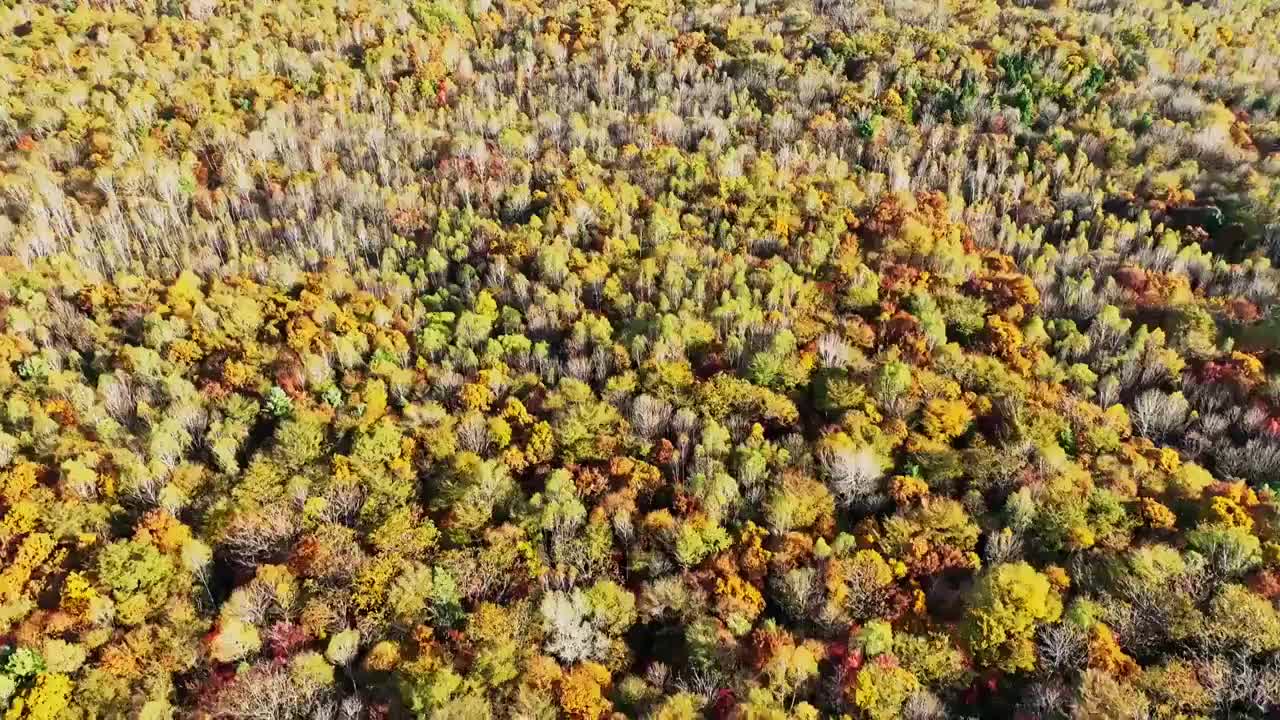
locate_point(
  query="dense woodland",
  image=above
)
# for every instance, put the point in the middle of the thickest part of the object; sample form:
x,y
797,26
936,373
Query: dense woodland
x,y
670,359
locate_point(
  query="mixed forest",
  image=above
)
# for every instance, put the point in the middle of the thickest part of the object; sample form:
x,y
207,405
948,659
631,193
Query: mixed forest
x,y
663,359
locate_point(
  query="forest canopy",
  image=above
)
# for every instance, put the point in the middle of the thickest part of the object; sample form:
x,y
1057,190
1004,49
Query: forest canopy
x,y
671,359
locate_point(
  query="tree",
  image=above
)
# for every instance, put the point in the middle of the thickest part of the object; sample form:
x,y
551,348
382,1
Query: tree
x,y
881,688
1008,604
235,640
